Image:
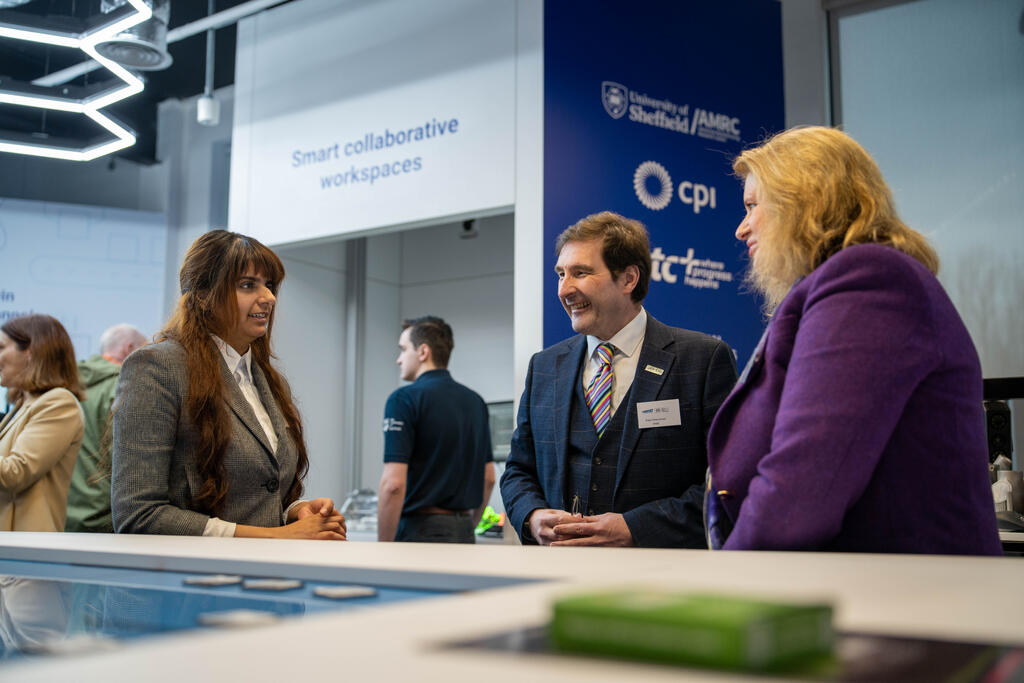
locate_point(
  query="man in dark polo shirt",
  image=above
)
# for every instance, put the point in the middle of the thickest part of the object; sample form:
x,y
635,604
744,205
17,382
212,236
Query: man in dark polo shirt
x,y
438,464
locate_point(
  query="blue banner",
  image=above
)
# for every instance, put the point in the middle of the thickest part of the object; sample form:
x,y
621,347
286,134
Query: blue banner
x,y
646,105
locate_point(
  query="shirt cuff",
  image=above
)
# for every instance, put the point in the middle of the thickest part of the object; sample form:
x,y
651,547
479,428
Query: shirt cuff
x,y
218,527
284,515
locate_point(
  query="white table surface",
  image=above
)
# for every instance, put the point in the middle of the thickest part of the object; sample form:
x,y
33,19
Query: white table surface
x,y
977,599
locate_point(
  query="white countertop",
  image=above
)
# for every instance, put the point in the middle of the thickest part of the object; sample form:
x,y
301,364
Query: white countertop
x,y
965,598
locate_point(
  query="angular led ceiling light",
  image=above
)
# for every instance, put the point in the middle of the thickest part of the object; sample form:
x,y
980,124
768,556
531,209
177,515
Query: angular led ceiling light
x,y
86,102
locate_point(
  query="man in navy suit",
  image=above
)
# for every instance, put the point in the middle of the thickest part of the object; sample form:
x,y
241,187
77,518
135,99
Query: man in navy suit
x,y
609,447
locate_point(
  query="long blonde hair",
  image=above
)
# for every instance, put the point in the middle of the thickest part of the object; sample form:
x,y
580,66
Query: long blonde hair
x,y
822,192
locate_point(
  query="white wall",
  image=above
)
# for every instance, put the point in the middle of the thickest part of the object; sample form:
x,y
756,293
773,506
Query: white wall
x,y
383,325
309,329
468,282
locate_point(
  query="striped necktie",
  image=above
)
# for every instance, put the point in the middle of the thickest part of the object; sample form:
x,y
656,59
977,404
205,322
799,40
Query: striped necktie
x,y
599,393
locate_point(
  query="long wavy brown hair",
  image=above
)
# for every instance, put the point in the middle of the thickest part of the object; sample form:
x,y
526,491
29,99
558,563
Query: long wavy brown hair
x,y
209,277
823,192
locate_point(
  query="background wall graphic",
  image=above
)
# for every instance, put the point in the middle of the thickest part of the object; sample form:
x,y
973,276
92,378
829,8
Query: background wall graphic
x,y
643,118
89,267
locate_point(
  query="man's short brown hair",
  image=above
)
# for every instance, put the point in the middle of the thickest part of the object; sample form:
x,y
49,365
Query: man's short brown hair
x,y
435,333
624,243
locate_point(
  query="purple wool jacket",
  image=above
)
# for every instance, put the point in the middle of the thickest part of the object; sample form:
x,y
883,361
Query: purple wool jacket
x,y
859,424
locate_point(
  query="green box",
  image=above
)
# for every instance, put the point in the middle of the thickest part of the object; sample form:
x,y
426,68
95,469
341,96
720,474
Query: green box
x,y
699,629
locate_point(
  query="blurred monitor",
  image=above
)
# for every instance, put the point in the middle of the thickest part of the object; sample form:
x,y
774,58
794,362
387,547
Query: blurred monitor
x,y
502,424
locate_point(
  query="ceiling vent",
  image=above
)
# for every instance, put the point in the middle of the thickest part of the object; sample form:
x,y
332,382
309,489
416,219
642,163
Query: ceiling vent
x,y
142,47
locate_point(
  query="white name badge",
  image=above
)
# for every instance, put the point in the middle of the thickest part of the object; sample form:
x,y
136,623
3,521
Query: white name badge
x,y
658,414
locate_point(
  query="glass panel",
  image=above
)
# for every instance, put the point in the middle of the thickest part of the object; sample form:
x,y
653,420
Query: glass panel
x,y
934,89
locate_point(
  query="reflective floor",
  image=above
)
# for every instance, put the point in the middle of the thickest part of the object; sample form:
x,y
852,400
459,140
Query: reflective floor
x,y
49,608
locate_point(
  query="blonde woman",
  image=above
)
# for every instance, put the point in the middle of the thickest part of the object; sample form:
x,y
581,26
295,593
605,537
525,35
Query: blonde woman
x,y
857,426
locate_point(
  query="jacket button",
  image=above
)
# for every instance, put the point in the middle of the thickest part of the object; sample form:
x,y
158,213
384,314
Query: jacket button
x,y
272,485
590,511
593,487
597,460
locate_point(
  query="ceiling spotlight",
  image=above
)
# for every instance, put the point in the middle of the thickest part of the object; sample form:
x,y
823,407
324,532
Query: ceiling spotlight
x,y
208,110
207,106
142,47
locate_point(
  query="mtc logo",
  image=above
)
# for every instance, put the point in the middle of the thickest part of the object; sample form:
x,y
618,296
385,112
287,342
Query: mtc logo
x,y
654,189
661,265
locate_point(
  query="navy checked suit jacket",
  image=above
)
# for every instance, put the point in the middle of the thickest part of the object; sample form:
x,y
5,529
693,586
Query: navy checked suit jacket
x,y
660,476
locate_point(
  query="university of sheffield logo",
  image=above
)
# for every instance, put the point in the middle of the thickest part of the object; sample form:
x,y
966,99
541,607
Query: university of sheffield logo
x,y
659,112
615,98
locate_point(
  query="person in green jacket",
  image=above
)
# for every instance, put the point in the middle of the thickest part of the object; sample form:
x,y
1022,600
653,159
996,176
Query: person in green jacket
x,y
89,494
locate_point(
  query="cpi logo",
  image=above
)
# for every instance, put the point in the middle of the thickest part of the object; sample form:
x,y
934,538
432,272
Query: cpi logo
x,y
615,98
653,186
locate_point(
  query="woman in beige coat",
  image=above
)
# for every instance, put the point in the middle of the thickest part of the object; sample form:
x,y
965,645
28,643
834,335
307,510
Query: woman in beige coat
x,y
39,438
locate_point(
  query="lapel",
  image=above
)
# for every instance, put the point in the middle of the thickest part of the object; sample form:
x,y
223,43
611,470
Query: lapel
x,y
270,405
756,362
656,351
19,414
242,409
753,368
567,365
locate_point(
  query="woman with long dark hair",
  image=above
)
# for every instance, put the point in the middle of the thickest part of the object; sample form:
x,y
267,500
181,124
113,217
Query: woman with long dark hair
x,y
206,437
39,438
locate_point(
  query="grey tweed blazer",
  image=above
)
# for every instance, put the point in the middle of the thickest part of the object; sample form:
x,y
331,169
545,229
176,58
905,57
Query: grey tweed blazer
x,y
155,473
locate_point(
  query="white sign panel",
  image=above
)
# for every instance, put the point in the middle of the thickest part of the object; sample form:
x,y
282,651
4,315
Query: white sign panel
x,y
353,116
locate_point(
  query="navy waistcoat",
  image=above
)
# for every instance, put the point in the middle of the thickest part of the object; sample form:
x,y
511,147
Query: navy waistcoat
x,y
592,462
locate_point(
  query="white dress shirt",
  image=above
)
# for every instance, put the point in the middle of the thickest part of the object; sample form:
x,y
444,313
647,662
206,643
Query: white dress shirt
x,y
241,370
627,342
240,367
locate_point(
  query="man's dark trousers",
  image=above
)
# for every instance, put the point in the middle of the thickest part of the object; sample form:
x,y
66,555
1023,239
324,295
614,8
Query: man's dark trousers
x,y
451,528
